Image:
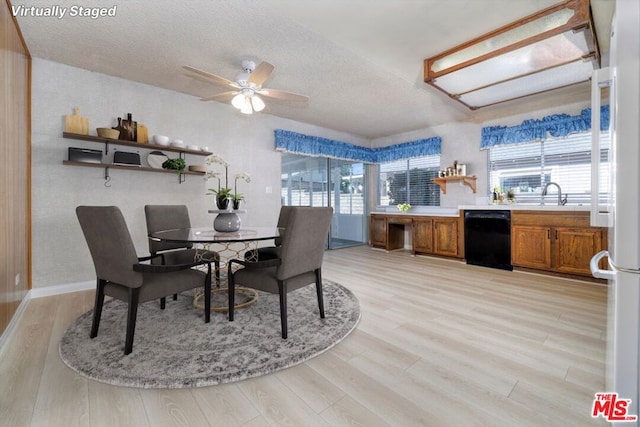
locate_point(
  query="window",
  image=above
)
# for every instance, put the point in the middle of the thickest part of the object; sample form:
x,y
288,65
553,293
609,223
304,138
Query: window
x,y
410,181
526,168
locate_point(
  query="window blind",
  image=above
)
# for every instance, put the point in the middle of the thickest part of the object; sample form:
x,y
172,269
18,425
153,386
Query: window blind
x,y
409,181
526,168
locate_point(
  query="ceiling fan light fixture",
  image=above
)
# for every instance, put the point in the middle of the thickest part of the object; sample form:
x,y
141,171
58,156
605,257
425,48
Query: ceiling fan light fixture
x,y
238,101
246,108
257,103
247,85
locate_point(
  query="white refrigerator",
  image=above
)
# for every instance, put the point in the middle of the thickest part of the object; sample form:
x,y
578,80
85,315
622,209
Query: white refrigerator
x,y
622,211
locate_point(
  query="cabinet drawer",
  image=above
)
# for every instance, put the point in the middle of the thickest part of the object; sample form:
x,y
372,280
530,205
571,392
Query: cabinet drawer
x,y
399,220
550,218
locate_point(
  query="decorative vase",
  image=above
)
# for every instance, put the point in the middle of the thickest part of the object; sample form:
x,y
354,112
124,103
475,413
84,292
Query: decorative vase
x,y
227,222
236,204
222,202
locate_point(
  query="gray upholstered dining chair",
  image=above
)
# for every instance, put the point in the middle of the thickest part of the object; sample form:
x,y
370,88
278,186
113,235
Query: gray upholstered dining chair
x,y
271,252
169,217
122,275
299,263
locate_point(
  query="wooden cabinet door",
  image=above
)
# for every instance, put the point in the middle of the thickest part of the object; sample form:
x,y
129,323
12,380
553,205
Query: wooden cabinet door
x,y
423,235
574,248
445,236
531,246
378,231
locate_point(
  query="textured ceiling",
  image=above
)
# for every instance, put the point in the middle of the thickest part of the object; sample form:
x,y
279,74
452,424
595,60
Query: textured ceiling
x,y
359,61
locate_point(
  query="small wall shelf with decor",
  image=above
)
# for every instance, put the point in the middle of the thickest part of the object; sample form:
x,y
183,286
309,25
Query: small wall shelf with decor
x,y
469,181
120,142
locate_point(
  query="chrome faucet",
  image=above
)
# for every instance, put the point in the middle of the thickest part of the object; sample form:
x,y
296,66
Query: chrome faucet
x,y
561,201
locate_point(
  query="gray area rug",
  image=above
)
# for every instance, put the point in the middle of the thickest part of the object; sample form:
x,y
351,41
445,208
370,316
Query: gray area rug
x,y
174,348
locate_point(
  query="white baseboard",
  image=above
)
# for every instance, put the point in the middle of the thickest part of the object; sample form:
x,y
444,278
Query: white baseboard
x,y
61,289
13,323
39,293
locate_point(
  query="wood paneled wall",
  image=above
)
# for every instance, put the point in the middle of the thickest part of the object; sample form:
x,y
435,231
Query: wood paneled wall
x,y
15,132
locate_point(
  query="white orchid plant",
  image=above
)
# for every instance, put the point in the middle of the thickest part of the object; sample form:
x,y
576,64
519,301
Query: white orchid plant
x,y
243,176
224,192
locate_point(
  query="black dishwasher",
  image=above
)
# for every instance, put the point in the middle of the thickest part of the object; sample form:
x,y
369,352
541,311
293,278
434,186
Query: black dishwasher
x,y
487,238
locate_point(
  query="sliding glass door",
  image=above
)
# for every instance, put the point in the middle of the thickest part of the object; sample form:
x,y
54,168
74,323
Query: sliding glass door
x,y
318,181
304,181
347,199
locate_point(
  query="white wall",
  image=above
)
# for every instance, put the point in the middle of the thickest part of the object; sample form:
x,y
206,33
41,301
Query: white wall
x,y
60,254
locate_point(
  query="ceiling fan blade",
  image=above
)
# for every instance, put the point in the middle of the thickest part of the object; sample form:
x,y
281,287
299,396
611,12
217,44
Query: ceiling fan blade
x,y
213,77
224,96
261,74
283,96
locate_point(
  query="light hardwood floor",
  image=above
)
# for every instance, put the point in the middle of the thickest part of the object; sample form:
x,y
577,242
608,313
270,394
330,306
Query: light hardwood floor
x,y
440,343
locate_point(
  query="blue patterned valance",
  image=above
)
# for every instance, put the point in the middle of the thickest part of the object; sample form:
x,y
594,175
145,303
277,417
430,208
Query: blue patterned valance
x,y
534,130
407,150
299,143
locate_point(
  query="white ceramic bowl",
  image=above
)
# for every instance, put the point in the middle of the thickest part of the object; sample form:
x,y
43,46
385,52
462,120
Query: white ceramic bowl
x,y
161,139
177,144
193,147
178,141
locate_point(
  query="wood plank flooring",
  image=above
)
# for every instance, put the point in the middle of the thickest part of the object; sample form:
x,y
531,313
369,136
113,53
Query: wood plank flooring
x,y
440,343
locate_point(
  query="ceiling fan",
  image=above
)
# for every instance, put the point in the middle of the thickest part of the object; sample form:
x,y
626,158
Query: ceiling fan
x,y
248,85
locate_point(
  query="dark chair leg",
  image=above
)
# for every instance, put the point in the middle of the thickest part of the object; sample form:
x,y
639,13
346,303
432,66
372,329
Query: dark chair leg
x,y
175,297
163,303
97,307
207,295
282,290
217,264
319,292
232,293
131,319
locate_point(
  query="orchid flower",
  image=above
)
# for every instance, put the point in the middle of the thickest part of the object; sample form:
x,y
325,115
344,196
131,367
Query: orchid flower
x,y
244,176
216,159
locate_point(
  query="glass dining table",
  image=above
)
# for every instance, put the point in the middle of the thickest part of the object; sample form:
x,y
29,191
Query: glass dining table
x,y
210,236
228,245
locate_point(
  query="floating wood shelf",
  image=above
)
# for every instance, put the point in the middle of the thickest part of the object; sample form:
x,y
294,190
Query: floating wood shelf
x,y
469,181
131,168
106,166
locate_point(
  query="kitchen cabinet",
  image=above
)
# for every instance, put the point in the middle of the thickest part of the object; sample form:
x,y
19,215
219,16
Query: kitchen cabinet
x,y
554,241
378,231
446,233
531,246
575,248
422,235
431,235
438,235
560,242
387,231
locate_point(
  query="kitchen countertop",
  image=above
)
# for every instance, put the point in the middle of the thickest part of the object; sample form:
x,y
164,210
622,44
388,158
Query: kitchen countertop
x,y
516,207
421,212
454,212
